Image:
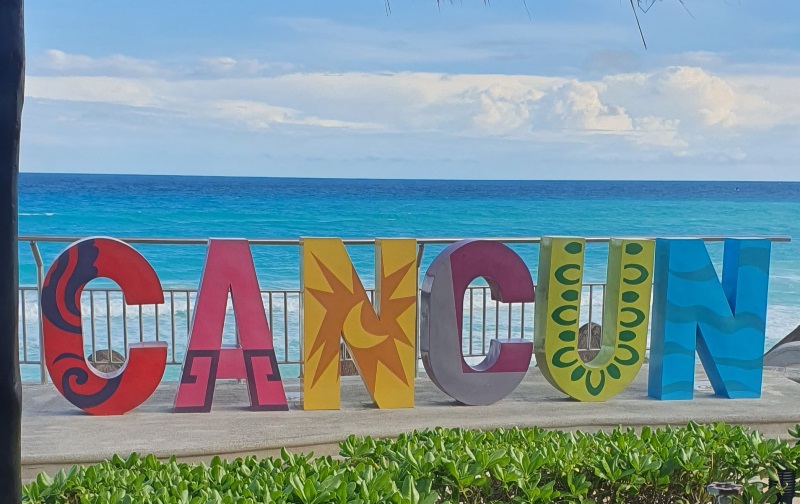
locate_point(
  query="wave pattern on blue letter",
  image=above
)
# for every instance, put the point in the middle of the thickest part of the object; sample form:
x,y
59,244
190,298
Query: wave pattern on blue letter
x,y
724,323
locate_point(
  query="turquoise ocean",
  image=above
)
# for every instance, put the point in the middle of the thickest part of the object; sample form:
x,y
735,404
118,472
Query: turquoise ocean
x,y
202,207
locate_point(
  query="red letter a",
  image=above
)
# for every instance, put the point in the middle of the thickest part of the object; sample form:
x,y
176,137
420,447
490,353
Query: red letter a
x,y
229,268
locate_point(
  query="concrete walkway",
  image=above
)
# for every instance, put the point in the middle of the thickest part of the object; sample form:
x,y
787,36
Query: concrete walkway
x,y
55,434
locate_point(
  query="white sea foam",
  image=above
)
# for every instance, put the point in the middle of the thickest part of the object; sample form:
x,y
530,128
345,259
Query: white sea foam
x,y
478,330
785,275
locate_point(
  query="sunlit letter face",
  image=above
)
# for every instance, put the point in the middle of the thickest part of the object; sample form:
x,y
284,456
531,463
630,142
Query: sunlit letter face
x,y
335,305
442,309
85,387
625,316
229,268
724,323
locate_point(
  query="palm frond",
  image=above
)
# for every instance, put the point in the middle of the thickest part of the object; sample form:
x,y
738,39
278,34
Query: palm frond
x,y
643,5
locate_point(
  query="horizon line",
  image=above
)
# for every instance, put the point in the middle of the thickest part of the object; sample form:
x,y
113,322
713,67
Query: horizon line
x,y
390,179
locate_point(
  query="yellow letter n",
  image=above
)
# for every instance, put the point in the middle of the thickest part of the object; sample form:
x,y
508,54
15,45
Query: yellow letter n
x,y
336,306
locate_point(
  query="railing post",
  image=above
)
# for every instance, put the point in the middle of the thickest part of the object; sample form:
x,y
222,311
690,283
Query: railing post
x,y
420,252
301,329
37,258
12,83
591,303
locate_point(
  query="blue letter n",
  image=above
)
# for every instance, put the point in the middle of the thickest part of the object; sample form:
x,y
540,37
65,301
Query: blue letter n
x,y
724,323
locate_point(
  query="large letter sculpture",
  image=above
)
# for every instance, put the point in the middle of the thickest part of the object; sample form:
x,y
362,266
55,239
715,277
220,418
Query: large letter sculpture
x,y
724,323
442,312
626,307
335,305
229,268
85,387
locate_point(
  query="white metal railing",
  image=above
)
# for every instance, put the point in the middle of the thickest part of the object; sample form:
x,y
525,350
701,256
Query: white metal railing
x,y
108,323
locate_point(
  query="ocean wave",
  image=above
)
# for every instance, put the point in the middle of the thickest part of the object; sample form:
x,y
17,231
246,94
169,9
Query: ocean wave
x,y
781,276
483,320
45,214
177,304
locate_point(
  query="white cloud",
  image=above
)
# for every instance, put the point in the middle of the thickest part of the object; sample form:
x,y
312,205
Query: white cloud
x,y
261,116
659,132
683,111
113,90
696,91
115,64
703,100
60,63
227,66
578,106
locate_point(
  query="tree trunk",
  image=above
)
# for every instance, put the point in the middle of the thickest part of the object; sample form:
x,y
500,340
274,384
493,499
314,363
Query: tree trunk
x,y
12,79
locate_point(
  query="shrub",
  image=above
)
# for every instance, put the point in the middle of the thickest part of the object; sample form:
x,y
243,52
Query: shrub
x,y
670,465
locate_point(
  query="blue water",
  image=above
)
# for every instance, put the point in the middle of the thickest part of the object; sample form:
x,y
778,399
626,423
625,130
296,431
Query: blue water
x,y
166,206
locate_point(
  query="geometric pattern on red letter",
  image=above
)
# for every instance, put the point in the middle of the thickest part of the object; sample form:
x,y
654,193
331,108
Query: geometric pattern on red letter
x,y
229,268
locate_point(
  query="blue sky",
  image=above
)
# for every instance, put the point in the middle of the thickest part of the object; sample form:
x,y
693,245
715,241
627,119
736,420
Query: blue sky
x,y
563,89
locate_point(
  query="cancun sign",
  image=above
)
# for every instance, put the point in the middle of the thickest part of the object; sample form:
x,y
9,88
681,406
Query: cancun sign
x,y
693,312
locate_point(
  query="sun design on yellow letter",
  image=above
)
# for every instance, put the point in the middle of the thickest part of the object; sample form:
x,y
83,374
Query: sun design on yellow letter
x,y
377,344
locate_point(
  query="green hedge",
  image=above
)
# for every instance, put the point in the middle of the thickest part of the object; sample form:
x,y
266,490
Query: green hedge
x,y
454,465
